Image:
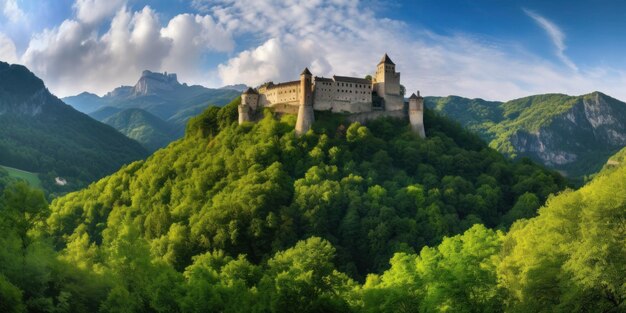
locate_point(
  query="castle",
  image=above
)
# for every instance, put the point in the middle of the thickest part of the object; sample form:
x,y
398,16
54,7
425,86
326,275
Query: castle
x,y
361,98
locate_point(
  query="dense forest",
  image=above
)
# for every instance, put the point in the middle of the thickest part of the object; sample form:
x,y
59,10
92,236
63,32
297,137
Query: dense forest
x,y
347,218
39,133
572,134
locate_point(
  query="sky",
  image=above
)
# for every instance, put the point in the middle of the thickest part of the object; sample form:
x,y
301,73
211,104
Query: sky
x,y
490,49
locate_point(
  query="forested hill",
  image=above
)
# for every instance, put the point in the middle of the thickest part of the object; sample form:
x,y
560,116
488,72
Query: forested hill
x,y
572,134
39,133
149,130
252,218
257,188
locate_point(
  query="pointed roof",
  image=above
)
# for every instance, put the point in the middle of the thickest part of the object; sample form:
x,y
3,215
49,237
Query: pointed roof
x,y
415,97
250,91
386,60
306,71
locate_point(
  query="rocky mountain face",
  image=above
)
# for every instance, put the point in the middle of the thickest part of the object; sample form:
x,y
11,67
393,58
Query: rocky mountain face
x,y
159,94
155,83
572,134
40,133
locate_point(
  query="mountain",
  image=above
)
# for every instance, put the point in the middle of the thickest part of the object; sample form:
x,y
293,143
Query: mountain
x,y
149,130
255,189
103,113
572,134
241,218
158,93
85,102
237,87
39,133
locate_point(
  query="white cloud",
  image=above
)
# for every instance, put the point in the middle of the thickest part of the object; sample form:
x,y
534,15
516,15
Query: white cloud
x,y
74,57
342,37
94,11
347,38
12,11
555,34
203,6
7,49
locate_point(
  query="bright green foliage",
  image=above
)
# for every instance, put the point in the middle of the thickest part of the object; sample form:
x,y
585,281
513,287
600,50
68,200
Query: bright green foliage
x,y
577,133
255,189
457,276
571,257
305,274
31,178
251,218
31,278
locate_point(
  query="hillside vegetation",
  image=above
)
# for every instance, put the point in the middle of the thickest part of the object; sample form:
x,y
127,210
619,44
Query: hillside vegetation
x,y
252,218
147,129
39,133
31,178
572,134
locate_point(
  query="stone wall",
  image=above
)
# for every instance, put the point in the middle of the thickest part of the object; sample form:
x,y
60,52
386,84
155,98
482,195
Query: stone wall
x,y
282,93
342,96
285,108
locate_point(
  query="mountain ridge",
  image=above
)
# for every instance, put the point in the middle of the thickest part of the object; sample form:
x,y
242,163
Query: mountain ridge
x,y
147,129
572,134
40,133
160,95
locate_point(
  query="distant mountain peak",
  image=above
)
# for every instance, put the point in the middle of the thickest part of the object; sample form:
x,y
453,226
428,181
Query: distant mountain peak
x,y
238,87
154,83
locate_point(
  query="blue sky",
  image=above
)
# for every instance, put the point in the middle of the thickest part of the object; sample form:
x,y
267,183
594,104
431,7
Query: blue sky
x,y
497,50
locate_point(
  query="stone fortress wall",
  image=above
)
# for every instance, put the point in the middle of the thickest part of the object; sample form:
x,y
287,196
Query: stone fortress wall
x,y
362,99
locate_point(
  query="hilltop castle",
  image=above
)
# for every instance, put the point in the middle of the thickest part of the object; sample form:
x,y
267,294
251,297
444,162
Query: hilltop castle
x,y
361,98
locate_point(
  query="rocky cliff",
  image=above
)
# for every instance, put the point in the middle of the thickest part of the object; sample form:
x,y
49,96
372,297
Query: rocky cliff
x,y
572,134
152,83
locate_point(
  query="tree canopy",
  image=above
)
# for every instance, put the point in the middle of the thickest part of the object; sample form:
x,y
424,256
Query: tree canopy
x,y
347,218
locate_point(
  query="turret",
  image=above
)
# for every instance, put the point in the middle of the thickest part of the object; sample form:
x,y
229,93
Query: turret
x,y
416,114
249,105
244,113
305,111
387,84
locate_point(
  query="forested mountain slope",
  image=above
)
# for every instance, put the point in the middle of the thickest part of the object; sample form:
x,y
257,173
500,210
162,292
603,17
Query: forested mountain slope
x,y
152,132
39,133
257,188
572,134
253,219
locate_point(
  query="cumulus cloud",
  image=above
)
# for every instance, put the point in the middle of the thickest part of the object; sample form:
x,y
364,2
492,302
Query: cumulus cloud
x,y
12,10
555,34
191,36
273,40
7,49
348,38
75,57
94,11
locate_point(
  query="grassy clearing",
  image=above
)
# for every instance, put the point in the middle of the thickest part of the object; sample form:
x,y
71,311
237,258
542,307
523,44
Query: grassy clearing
x,y
31,178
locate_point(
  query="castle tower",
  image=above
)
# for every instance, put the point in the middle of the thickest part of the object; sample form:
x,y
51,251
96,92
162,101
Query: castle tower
x,y
248,106
416,114
305,111
387,84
